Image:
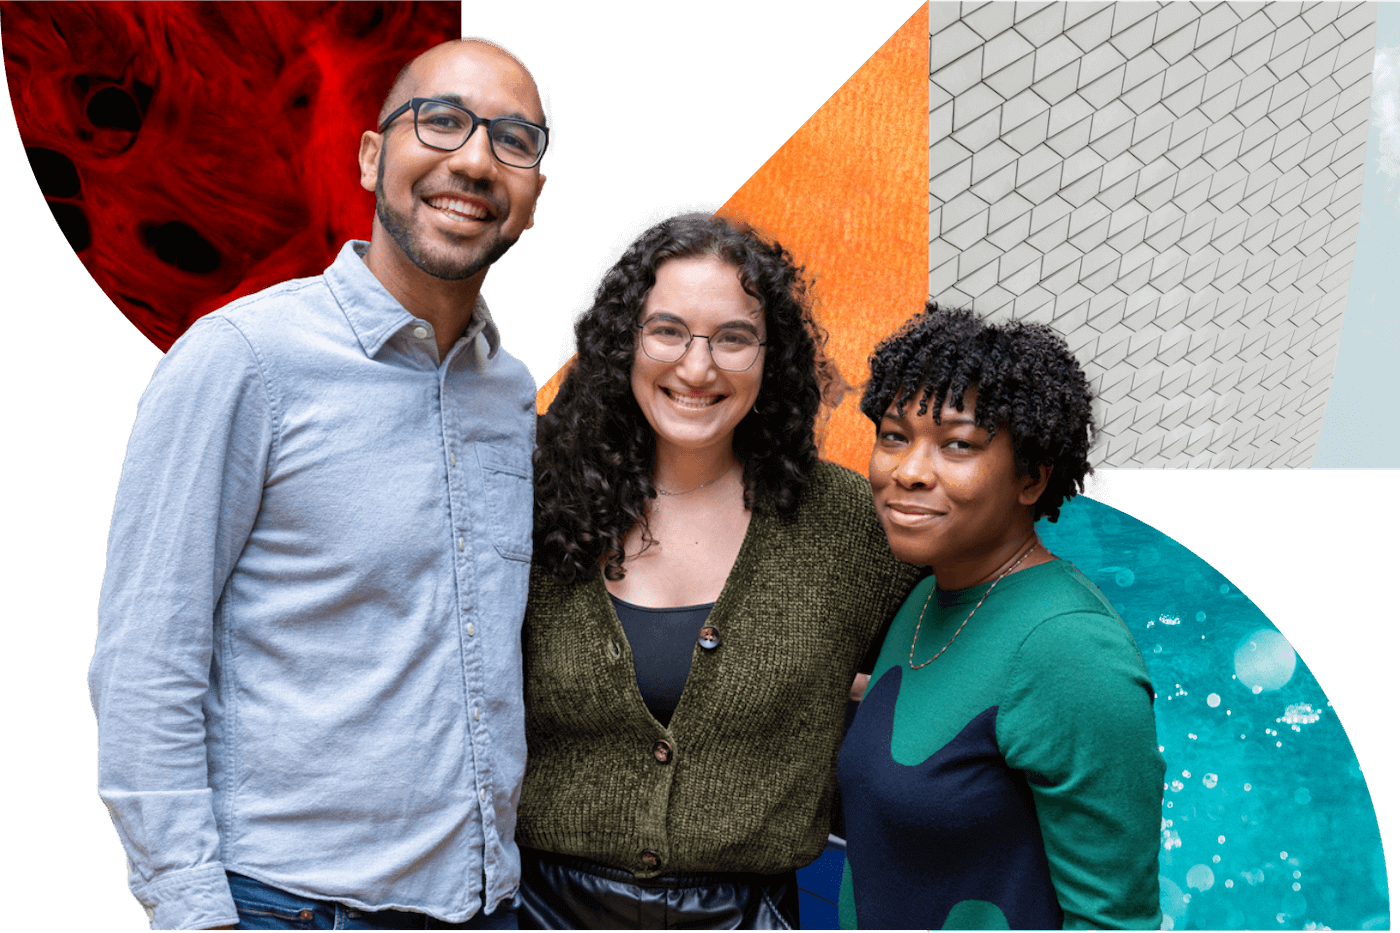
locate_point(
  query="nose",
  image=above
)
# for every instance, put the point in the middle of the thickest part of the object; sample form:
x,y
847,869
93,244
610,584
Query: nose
x,y
697,365
474,158
917,469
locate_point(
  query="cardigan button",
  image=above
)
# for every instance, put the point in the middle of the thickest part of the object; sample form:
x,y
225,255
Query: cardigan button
x,y
614,651
662,751
651,858
709,637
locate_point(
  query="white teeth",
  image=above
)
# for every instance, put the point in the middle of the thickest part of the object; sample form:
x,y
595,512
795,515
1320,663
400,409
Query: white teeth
x,y
461,208
690,401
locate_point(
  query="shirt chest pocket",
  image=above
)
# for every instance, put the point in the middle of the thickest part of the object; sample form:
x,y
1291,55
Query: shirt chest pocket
x,y
508,511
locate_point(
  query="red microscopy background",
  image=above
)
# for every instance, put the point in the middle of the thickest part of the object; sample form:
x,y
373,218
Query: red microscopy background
x,y
194,153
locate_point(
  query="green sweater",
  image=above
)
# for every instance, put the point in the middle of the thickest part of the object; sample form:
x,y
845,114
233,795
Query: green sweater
x,y
1015,782
749,780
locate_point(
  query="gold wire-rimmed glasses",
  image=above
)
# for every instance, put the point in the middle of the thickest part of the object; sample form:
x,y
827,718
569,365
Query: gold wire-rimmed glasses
x,y
666,341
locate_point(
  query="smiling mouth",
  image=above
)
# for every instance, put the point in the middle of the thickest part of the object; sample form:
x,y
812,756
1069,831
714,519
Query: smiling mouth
x,y
693,402
902,514
458,209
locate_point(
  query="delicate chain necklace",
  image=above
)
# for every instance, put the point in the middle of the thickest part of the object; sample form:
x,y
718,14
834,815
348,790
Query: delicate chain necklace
x,y
912,666
681,492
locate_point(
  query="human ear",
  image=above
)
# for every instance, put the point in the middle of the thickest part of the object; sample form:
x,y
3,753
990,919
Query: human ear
x,y
371,145
538,188
1034,483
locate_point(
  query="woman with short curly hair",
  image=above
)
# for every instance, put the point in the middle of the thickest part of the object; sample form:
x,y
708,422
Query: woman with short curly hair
x,y
703,591
1003,769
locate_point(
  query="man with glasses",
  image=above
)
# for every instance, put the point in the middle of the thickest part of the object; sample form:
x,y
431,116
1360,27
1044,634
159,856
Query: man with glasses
x,y
308,674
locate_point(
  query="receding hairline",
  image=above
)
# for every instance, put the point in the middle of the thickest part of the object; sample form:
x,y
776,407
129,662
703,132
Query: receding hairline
x,y
395,97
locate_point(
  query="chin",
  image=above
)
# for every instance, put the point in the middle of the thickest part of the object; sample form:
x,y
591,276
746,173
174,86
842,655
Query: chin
x,y
686,440
454,264
908,547
912,556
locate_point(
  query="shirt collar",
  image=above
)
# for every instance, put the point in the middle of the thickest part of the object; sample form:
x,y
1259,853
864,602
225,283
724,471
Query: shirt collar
x,y
375,315
481,323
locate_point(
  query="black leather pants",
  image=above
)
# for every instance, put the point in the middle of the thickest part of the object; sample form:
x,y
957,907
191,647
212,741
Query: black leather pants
x,y
558,892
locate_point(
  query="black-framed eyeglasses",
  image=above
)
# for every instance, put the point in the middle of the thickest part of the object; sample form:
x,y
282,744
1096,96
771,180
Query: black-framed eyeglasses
x,y
443,125
667,341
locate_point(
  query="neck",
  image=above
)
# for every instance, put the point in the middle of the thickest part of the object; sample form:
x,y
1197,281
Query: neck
x,y
678,468
447,305
989,565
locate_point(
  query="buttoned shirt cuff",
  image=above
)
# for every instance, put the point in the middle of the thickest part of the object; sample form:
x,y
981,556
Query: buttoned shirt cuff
x,y
192,899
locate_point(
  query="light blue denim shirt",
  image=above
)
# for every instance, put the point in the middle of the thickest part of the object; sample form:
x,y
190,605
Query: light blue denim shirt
x,y
308,654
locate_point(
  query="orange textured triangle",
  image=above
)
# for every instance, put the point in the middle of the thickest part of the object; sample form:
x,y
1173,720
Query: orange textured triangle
x,y
848,195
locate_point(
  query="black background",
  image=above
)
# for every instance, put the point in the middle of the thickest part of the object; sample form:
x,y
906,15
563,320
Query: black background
x,y
723,93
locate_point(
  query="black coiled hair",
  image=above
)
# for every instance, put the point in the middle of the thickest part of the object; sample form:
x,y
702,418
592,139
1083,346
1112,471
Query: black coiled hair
x,y
1026,380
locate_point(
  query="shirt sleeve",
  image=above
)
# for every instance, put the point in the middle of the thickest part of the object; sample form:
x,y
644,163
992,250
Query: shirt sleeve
x,y
190,490
1076,717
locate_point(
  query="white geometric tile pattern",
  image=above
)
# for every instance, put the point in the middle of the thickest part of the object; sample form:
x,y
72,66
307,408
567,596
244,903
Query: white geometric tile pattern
x,y
1175,187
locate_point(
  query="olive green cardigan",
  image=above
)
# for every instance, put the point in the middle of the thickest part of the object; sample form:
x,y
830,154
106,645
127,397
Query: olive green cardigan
x,y
749,773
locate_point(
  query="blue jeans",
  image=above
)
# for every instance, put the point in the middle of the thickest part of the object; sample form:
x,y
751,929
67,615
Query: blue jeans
x,y
263,907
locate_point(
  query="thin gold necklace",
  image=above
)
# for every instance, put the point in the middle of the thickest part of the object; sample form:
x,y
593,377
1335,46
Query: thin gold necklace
x,y
681,492
912,666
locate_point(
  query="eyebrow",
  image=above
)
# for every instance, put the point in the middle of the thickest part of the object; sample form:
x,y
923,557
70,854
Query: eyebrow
x,y
738,324
513,115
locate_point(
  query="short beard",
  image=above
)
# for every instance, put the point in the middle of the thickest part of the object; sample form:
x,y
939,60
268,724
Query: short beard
x,y
393,223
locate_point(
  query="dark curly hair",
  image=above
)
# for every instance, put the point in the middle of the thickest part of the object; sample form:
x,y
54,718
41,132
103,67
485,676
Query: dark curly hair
x,y
596,451
1026,379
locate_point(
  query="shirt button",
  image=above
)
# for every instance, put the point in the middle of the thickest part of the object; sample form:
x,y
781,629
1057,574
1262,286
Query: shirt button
x,y
461,544
483,795
471,629
477,713
651,858
454,459
420,332
662,751
709,637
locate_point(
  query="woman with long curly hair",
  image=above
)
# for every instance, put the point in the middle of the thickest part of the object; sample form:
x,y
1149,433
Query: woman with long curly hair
x,y
703,591
1003,769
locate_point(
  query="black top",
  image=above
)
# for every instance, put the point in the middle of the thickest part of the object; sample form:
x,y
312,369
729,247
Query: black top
x,y
662,641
